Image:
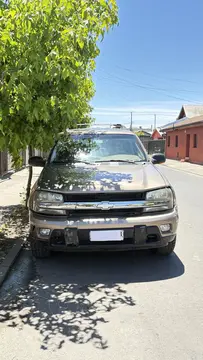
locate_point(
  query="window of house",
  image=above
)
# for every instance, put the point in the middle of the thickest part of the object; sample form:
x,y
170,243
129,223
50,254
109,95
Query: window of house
x,y
169,141
195,141
176,141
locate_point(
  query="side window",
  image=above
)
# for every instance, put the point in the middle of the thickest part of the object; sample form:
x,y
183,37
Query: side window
x,y
169,140
195,141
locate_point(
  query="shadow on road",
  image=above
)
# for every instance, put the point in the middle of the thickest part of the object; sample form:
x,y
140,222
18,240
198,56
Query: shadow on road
x,y
121,267
73,294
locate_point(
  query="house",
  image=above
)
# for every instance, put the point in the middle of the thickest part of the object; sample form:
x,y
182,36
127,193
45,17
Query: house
x,y
149,134
156,135
190,111
145,133
184,137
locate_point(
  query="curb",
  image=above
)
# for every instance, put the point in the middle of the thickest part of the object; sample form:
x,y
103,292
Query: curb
x,y
10,259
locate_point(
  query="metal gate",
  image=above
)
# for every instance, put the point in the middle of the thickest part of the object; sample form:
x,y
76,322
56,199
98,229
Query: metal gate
x,y
156,146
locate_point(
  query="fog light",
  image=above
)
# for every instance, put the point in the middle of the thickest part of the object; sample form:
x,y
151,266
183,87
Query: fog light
x,y
44,232
165,228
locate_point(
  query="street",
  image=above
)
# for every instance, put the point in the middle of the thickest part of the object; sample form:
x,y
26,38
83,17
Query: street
x,y
111,306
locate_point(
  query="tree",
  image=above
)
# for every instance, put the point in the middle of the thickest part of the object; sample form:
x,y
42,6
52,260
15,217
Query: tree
x,y
47,55
139,133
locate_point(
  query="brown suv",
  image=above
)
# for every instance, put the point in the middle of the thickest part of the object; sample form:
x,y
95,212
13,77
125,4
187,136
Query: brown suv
x,y
109,196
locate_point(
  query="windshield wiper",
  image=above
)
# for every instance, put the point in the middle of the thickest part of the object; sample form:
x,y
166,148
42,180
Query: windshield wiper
x,y
123,161
60,162
72,162
84,162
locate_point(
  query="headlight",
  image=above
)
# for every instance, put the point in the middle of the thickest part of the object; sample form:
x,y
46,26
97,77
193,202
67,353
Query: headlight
x,y
159,200
47,203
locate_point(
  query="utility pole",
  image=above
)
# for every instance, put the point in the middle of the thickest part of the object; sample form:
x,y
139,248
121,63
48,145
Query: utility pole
x,y
154,121
131,121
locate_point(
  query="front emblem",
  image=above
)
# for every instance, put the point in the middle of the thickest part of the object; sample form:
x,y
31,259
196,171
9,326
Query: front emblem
x,y
104,206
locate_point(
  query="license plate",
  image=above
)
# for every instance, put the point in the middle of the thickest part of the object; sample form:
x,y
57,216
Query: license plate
x,y
107,235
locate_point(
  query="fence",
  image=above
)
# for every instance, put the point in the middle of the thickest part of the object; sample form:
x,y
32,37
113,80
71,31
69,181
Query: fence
x,y
6,160
145,140
153,146
156,146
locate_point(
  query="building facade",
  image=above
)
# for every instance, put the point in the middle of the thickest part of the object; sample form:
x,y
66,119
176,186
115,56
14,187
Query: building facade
x,y
184,137
185,144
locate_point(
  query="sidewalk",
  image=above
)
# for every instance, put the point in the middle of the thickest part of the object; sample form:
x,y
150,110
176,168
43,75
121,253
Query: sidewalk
x,y
11,187
185,167
13,218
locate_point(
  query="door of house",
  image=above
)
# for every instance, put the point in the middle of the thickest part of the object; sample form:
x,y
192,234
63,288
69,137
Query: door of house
x,y
188,146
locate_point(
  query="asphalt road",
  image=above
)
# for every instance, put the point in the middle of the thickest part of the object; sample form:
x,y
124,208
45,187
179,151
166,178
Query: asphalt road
x,y
111,306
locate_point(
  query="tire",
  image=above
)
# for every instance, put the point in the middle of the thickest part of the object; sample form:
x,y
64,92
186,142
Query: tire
x,y
167,250
40,250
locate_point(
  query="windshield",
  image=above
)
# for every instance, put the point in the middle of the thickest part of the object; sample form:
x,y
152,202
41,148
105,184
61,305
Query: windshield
x,y
93,148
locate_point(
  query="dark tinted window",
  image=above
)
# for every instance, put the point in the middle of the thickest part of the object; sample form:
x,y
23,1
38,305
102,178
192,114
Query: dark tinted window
x,y
195,141
169,140
176,140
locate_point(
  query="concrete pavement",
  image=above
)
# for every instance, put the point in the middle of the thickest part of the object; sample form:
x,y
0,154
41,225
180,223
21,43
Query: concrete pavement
x,y
13,185
185,167
112,306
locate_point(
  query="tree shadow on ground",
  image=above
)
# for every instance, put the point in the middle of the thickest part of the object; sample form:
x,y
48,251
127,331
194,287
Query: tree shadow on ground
x,y
75,293
6,176
13,226
14,221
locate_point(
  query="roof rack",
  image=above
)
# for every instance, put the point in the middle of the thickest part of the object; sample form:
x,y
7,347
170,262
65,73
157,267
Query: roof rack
x,y
89,127
117,126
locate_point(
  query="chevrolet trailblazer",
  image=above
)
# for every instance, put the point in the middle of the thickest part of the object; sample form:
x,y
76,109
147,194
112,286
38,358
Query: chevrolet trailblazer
x,y
109,196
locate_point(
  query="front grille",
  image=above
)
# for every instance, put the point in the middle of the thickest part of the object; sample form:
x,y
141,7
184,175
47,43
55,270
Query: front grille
x,y
104,196
97,213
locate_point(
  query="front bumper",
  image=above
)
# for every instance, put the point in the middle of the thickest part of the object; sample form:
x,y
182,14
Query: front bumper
x,y
140,232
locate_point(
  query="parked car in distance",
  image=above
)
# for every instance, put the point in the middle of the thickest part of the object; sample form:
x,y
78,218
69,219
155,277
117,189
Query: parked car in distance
x,y
107,195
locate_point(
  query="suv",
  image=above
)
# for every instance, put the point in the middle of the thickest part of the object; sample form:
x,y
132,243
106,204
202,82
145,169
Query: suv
x,y
109,196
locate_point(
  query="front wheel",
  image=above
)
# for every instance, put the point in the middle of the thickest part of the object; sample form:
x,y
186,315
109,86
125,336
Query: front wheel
x,y
40,250
167,250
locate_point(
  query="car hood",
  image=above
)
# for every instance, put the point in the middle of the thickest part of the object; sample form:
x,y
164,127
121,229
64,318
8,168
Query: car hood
x,y
101,177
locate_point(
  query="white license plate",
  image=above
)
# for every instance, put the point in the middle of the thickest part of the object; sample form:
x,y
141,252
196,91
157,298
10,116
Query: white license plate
x,y
107,235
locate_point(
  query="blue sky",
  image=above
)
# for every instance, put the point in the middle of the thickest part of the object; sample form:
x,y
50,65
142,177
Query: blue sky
x,y
152,63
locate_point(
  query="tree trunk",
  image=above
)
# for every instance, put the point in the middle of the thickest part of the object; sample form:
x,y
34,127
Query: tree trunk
x,y
29,182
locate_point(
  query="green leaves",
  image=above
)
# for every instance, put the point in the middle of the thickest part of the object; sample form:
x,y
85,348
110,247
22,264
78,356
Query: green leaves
x,y
47,54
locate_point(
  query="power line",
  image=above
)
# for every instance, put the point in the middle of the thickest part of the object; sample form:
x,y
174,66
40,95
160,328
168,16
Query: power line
x,y
145,87
139,120
159,77
162,89
134,112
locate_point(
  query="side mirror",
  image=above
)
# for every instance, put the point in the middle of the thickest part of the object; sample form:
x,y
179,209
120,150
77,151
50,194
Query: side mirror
x,y
158,159
37,161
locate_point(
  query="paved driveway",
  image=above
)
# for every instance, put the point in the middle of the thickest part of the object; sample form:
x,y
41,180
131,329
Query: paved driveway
x,y
112,306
